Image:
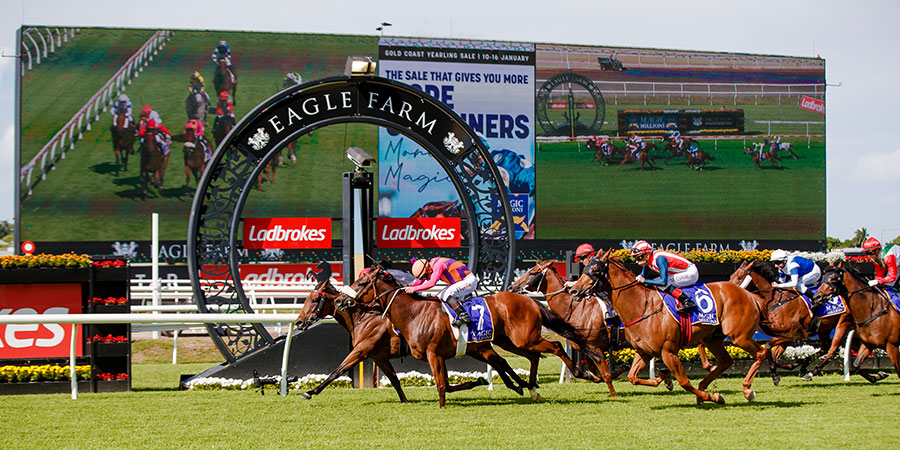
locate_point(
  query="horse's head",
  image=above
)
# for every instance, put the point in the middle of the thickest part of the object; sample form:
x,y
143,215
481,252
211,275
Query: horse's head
x,y
832,285
532,280
594,277
367,290
318,304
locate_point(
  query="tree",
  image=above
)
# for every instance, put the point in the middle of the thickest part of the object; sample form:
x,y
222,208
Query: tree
x,y
859,236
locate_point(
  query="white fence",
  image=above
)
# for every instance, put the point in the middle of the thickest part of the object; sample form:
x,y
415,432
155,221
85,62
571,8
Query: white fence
x,y
46,159
690,91
48,44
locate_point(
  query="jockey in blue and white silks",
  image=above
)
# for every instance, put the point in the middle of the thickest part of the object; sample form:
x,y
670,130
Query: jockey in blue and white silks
x,y
122,103
795,271
222,51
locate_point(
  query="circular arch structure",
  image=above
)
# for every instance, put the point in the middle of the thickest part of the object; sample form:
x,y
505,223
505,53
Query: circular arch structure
x,y
573,124
213,243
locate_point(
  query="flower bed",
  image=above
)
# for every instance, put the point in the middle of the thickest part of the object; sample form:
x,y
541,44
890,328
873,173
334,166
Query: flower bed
x,y
44,260
46,372
109,301
306,383
107,339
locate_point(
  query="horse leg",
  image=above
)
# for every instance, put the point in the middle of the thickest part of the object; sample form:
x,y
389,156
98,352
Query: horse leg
x,y
759,353
704,358
840,332
776,351
439,372
354,357
864,352
723,362
388,370
894,354
506,373
640,361
674,364
187,175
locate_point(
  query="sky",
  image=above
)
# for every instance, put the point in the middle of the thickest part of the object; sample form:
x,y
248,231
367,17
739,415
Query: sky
x,y
857,40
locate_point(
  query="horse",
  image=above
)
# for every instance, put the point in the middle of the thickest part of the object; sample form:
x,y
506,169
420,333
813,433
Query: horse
x,y
657,335
786,320
697,159
152,161
602,156
676,150
760,156
222,125
196,104
517,322
587,317
122,139
194,156
877,322
775,147
641,155
225,79
269,171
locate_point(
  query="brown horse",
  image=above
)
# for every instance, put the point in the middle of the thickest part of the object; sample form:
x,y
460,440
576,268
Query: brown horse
x,y
759,157
194,156
587,317
642,155
517,322
222,125
122,139
653,333
674,150
877,322
225,79
786,318
152,161
602,156
697,160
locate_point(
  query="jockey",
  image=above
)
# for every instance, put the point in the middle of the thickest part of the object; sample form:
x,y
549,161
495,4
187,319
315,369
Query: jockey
x,y
583,254
197,127
798,272
196,82
222,51
291,79
122,103
675,271
635,143
461,282
676,139
161,133
224,106
147,113
886,262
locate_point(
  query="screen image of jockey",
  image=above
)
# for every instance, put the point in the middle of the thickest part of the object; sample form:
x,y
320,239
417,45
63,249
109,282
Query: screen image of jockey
x,y
460,282
675,271
796,272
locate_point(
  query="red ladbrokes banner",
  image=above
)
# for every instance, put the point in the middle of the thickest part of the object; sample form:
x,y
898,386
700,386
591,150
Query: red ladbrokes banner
x,y
418,232
812,104
31,340
287,232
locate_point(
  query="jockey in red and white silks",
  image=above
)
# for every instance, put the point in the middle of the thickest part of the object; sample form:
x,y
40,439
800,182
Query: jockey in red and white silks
x,y
675,271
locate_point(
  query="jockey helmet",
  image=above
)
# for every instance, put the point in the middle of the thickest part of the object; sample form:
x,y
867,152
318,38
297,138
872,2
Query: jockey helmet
x,y
223,95
871,245
778,256
583,251
419,267
223,43
641,248
195,74
192,125
146,110
123,98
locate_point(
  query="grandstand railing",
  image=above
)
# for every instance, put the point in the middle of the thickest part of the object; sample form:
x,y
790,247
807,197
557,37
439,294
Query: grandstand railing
x,y
46,159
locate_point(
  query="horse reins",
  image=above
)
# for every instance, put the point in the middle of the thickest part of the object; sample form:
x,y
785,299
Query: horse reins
x,y
646,300
875,316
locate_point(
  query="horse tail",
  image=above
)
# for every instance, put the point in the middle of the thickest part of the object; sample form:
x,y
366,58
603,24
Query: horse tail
x,y
557,324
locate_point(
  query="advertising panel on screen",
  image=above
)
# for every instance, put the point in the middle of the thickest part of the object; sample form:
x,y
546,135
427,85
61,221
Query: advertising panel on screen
x,y
688,149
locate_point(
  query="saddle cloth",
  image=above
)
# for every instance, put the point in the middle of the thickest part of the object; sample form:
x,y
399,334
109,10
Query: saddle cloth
x,y
834,306
705,313
482,327
895,298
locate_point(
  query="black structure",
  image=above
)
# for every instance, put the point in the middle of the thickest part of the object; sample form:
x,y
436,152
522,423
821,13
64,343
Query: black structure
x,y
574,124
226,183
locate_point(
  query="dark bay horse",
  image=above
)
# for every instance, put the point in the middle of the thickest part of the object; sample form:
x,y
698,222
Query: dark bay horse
x,y
602,156
785,317
517,322
674,150
122,139
653,333
587,317
762,156
641,155
196,104
152,162
697,159
221,127
877,322
194,155
225,80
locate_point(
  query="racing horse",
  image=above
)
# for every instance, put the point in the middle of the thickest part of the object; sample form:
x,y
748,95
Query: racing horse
x,y
587,317
196,104
642,155
517,322
697,159
674,150
602,156
122,139
877,321
225,80
222,125
152,161
760,156
776,147
195,149
786,318
653,333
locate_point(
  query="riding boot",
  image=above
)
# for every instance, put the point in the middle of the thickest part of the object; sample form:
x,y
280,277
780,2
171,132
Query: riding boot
x,y
610,311
462,317
687,303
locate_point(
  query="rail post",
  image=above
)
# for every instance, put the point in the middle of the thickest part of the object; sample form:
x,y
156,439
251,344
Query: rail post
x,y
847,355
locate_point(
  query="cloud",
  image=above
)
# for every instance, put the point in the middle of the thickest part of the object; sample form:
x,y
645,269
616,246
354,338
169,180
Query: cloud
x,y
876,168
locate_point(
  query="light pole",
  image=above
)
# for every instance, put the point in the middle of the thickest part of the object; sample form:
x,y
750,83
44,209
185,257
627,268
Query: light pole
x,y
382,27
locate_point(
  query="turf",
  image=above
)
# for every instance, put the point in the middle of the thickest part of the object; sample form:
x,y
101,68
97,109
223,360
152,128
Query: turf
x,y
824,413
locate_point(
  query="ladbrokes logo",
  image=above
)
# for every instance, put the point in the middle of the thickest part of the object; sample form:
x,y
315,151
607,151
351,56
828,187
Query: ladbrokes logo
x,y
418,232
287,232
812,104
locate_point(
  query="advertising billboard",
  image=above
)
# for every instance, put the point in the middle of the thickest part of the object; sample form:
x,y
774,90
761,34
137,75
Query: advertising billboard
x,y
704,120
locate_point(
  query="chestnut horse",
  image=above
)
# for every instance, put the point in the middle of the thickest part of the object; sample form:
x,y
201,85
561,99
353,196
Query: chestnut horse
x,y
759,156
877,322
587,317
786,318
653,333
152,162
642,155
225,80
194,156
122,139
602,156
517,322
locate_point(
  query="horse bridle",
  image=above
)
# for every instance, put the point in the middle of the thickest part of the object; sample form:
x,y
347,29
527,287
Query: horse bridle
x,y
836,273
373,276
605,274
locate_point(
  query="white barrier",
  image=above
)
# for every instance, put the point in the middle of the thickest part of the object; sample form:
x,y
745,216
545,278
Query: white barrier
x,y
49,45
47,157
197,319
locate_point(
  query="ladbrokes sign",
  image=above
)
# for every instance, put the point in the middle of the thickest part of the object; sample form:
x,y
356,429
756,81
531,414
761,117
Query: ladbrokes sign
x,y
49,340
418,232
287,232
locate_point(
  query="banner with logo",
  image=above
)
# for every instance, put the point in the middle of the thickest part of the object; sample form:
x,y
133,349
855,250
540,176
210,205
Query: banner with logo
x,y
49,340
287,232
418,232
489,84
274,273
812,104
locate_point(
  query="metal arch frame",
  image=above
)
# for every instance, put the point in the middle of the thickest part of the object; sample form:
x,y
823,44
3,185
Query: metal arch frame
x,y
555,81
225,185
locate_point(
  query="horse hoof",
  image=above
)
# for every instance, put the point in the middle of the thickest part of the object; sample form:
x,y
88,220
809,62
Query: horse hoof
x,y
720,399
881,376
535,397
807,377
669,384
481,381
776,380
750,397
306,396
